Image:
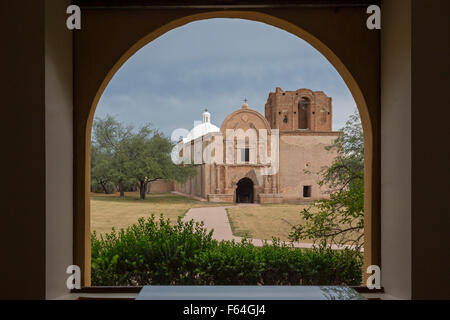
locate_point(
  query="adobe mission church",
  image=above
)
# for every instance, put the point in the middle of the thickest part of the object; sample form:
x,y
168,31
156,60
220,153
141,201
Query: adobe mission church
x,y
304,120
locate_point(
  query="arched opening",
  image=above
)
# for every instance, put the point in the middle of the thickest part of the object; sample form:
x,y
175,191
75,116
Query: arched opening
x,y
244,191
91,98
303,113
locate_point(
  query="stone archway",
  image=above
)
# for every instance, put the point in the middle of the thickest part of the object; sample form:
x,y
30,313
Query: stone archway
x,y
245,191
104,44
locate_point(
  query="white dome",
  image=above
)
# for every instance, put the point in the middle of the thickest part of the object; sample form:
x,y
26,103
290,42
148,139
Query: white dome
x,y
202,129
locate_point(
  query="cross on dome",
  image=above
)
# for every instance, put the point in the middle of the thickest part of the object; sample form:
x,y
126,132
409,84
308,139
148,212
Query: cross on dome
x,y
245,105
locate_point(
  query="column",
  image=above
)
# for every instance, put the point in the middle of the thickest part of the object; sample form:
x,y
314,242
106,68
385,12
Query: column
x,y
266,184
217,179
274,183
225,178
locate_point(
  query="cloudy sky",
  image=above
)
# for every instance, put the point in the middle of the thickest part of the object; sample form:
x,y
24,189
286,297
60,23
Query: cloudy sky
x,y
215,64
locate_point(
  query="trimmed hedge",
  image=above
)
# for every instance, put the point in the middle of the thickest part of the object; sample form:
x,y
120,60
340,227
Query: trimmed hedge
x,y
159,253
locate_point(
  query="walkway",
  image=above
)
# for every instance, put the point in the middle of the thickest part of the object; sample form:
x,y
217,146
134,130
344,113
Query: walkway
x,y
216,218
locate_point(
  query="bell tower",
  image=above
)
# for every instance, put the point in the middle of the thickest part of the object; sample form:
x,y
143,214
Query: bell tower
x,y
206,116
300,110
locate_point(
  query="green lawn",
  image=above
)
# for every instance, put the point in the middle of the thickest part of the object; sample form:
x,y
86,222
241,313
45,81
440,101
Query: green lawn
x,y
108,211
265,221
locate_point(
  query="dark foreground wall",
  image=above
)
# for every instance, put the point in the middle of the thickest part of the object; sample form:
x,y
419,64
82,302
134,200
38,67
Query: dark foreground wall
x,y
36,130
430,107
22,130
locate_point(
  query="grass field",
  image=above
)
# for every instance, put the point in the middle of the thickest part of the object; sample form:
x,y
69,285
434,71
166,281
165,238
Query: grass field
x,y
255,221
265,221
108,211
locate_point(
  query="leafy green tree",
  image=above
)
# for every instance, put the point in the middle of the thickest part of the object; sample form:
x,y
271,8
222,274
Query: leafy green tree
x,y
149,159
101,168
125,156
109,137
339,220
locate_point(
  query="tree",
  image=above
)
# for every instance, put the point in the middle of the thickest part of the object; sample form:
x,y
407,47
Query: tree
x,y
109,137
101,168
340,219
124,155
149,154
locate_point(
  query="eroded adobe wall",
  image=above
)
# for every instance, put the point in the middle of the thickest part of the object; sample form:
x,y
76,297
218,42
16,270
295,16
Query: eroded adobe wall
x,y
283,110
301,159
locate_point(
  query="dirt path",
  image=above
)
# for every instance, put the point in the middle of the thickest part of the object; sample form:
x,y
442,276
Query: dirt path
x,y
216,218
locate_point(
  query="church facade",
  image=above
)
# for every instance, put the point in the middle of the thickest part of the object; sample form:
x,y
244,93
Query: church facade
x,y
255,158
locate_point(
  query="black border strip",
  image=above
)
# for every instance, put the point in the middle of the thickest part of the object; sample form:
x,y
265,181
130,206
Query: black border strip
x,y
137,289
224,4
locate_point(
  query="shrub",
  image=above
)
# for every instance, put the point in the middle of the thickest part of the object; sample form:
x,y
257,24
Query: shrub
x,y
158,253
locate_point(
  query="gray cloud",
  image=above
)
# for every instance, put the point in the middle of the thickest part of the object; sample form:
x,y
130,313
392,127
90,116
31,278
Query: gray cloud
x,y
215,64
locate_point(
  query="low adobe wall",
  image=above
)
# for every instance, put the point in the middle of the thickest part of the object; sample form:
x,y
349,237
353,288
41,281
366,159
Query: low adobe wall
x,y
220,198
160,186
270,198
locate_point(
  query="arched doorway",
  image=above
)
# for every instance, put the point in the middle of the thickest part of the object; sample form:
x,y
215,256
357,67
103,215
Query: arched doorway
x,y
303,114
96,65
244,191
